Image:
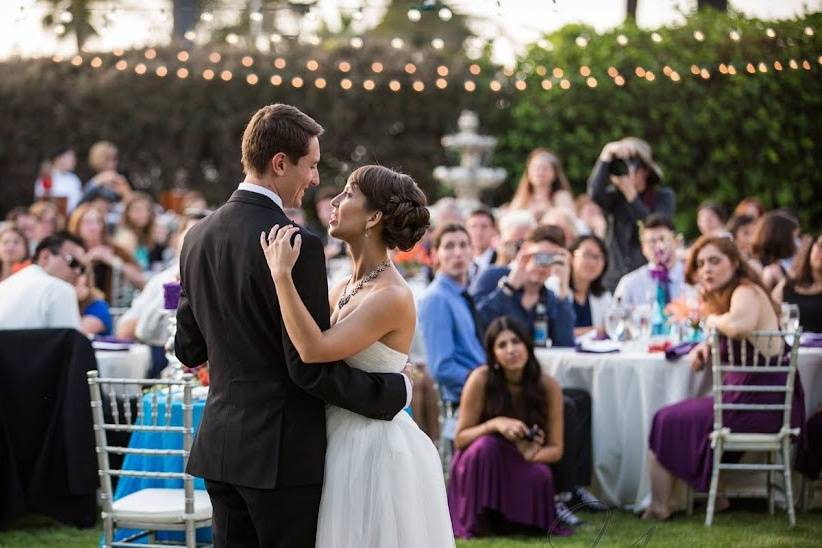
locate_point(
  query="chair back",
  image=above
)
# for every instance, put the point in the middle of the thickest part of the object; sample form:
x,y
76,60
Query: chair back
x,y
749,359
140,405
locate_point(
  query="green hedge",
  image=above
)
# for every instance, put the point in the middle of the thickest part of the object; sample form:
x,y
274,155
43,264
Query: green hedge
x,y
721,138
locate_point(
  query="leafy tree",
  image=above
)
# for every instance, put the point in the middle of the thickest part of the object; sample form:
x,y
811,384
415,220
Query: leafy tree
x,y
79,22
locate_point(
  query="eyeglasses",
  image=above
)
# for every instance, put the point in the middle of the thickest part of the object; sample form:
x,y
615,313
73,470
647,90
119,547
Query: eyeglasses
x,y
74,264
589,256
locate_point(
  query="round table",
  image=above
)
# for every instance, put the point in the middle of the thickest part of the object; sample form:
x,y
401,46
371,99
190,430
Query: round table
x,y
627,389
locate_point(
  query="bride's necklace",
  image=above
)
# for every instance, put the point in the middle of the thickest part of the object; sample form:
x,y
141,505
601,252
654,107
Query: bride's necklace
x,y
365,279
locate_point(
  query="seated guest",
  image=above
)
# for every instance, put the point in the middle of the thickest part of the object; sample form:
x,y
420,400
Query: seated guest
x,y
520,290
482,229
738,304
95,316
42,294
14,250
107,260
805,288
514,225
447,315
591,299
741,228
135,233
566,220
47,221
774,245
663,278
510,428
750,206
809,455
710,218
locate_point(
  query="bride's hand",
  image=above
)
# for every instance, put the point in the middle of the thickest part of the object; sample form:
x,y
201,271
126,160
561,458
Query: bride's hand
x,y
280,254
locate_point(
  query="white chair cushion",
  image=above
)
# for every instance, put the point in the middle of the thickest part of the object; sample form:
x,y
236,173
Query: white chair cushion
x,y
161,506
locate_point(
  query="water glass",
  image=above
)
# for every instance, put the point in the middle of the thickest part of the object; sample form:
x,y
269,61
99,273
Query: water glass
x,y
615,324
789,320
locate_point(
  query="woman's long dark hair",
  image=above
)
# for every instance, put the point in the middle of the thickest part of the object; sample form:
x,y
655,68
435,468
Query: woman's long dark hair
x,y
498,401
596,286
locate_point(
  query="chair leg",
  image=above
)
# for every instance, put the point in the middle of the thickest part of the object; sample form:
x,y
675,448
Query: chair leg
x,y
786,469
709,513
191,535
769,484
689,500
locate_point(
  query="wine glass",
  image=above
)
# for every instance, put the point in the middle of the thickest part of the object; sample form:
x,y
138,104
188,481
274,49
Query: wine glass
x,y
615,324
642,321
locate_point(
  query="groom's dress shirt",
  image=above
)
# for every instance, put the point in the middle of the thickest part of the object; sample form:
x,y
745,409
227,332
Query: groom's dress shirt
x,y
250,187
449,329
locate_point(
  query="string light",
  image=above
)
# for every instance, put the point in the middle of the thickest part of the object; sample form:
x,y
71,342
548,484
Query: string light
x,y
640,72
297,82
96,63
345,83
206,16
475,69
150,53
320,83
546,85
312,65
762,67
622,40
117,52
208,74
520,85
344,66
777,65
276,80
581,41
619,80
77,60
437,43
256,16
584,71
414,15
470,86
57,58
397,43
410,68
122,64
694,70
394,85
418,86
806,65
279,63
356,42
565,84
734,35
226,75
508,71
699,36
161,71
592,82
705,73
214,57
809,31
182,56
182,73
140,68
445,14
612,72
558,73
247,61
650,76
769,32
540,70
656,37
495,85
442,70
369,85
252,79
750,68
190,35
376,67
731,70
675,77
792,64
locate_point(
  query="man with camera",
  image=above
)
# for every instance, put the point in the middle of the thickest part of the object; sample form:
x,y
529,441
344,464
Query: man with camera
x,y
626,184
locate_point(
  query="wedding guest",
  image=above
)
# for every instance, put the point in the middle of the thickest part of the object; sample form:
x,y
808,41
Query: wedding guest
x,y
445,211
626,183
804,288
103,159
14,250
107,260
47,221
42,294
774,245
710,218
447,315
95,316
741,227
514,225
564,219
590,214
510,428
738,304
809,456
58,179
543,185
591,299
135,233
662,279
750,206
520,290
482,230
24,221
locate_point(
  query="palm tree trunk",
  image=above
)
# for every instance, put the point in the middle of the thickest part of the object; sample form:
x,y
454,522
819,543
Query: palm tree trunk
x,y
186,13
630,10
720,5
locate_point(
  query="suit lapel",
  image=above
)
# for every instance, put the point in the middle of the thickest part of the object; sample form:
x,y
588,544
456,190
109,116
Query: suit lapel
x,y
254,198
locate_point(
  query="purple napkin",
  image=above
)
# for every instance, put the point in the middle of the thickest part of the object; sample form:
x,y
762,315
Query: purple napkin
x,y
682,349
810,340
111,339
171,295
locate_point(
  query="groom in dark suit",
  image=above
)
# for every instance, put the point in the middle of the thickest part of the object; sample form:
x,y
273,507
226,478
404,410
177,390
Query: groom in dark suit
x,y
261,442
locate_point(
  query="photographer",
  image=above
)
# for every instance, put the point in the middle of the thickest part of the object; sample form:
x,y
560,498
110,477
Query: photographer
x,y
625,183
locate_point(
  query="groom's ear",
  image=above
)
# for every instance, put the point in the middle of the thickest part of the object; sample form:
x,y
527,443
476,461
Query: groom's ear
x,y
277,163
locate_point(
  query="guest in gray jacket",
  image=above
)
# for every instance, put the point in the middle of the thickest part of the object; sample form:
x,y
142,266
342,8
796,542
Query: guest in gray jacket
x,y
626,183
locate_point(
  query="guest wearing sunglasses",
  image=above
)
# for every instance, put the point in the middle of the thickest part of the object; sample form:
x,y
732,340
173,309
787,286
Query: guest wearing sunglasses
x,y
42,295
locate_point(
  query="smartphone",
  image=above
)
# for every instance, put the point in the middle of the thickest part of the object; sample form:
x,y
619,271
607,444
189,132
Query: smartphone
x,y
543,258
532,433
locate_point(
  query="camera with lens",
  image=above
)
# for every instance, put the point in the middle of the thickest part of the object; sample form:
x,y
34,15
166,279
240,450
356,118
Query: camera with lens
x,y
543,259
623,166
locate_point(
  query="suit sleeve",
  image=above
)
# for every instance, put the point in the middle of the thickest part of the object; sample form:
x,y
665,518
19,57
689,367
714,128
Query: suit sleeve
x,y
189,343
373,395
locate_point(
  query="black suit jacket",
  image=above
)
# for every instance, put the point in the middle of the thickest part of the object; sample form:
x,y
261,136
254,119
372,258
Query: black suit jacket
x,y
264,421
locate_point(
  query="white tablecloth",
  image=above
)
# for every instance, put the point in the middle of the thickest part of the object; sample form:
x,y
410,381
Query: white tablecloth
x,y
626,390
133,363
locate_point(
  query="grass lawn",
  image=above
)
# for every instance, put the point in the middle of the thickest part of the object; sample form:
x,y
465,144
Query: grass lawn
x,y
750,528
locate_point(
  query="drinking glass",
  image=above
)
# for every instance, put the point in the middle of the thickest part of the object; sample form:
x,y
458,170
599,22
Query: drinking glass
x,y
615,323
642,321
789,320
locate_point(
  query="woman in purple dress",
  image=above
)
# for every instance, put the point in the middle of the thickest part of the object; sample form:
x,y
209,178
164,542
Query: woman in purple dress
x,y
738,304
509,430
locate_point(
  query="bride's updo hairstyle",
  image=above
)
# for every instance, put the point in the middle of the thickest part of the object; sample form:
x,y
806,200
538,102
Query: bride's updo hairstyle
x,y
405,217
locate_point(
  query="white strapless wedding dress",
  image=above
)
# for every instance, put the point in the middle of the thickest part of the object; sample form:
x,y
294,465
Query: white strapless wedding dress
x,y
383,484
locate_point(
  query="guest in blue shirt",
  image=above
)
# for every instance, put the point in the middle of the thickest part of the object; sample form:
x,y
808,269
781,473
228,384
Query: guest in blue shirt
x,y
447,315
95,316
515,291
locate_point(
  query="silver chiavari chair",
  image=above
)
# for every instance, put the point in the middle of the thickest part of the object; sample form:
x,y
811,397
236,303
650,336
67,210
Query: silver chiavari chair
x,y
776,446
134,409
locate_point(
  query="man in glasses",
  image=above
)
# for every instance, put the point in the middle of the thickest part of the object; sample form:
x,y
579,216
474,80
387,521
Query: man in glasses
x,y
42,295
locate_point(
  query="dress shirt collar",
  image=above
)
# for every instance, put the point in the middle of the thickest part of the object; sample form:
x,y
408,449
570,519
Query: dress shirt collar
x,y
251,187
450,284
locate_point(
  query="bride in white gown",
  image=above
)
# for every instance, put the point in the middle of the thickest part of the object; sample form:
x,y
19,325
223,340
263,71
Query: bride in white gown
x,y
383,479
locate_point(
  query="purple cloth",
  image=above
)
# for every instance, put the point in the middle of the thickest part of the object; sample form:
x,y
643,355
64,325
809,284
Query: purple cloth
x,y
680,350
809,455
679,432
491,474
810,340
660,274
171,295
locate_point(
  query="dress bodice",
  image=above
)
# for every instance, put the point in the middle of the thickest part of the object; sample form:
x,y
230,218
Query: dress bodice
x,y
378,358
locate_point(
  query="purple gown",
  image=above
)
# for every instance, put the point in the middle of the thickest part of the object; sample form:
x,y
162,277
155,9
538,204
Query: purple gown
x,y
491,474
680,432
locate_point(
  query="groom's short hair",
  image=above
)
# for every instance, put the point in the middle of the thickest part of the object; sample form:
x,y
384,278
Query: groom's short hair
x,y
277,128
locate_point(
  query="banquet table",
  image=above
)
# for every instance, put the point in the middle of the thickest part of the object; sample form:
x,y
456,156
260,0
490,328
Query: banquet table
x,y
627,389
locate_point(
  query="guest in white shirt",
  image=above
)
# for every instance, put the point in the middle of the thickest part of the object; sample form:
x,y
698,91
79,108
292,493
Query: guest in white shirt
x,y
663,273
59,180
482,230
42,295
